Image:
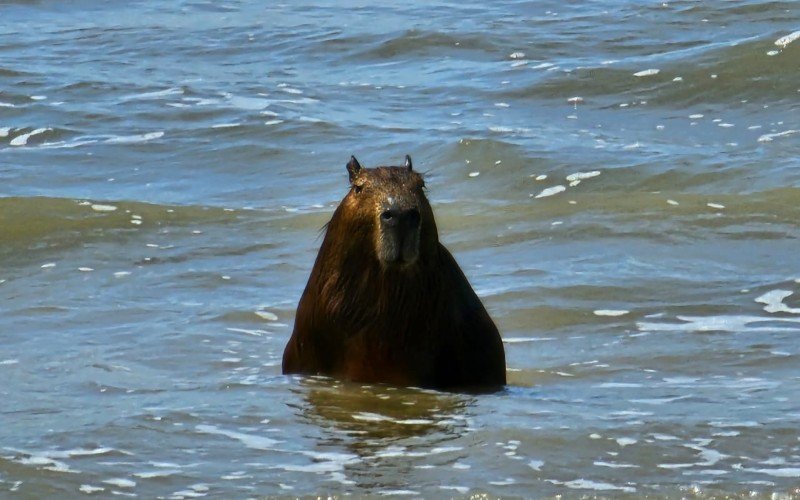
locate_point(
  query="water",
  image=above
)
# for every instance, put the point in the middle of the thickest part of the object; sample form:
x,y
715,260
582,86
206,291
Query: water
x,y
619,181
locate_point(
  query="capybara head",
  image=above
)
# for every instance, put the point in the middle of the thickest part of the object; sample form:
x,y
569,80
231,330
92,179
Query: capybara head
x,y
390,202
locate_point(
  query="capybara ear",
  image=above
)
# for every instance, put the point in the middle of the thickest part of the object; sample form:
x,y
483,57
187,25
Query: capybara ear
x,y
408,163
353,167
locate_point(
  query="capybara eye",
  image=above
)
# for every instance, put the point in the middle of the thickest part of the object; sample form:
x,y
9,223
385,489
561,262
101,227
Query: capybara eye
x,y
386,215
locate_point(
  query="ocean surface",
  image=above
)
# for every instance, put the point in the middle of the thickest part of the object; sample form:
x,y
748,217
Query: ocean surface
x,y
620,181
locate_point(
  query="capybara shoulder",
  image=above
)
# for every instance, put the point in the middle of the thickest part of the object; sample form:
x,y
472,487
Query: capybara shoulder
x,y
386,302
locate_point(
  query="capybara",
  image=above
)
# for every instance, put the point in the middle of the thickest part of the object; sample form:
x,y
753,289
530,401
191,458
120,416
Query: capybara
x,y
386,302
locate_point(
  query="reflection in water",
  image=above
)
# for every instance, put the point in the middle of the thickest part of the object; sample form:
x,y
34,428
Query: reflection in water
x,y
397,429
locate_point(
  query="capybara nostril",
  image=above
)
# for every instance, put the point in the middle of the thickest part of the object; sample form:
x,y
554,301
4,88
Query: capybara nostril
x,y
412,218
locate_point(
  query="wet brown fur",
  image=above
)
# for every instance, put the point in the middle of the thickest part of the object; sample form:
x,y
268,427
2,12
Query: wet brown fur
x,y
410,323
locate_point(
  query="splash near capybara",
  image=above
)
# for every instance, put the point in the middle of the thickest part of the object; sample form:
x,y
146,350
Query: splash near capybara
x,y
386,301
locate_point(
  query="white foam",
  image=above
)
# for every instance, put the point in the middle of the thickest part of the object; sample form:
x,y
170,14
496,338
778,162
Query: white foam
x,y
318,468
505,482
742,423
783,41
187,494
773,302
461,490
79,452
579,176
771,137
611,312
155,94
39,459
68,144
199,101
630,413
331,461
710,457
370,417
267,315
103,208
445,449
625,441
7,362
391,452
781,472
719,324
613,465
249,440
647,72
22,140
715,205
586,484
49,265
664,437
415,421
89,489
135,139
658,401
4,131
302,100
120,482
517,55
536,464
675,466
156,473
522,340
551,191
474,174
